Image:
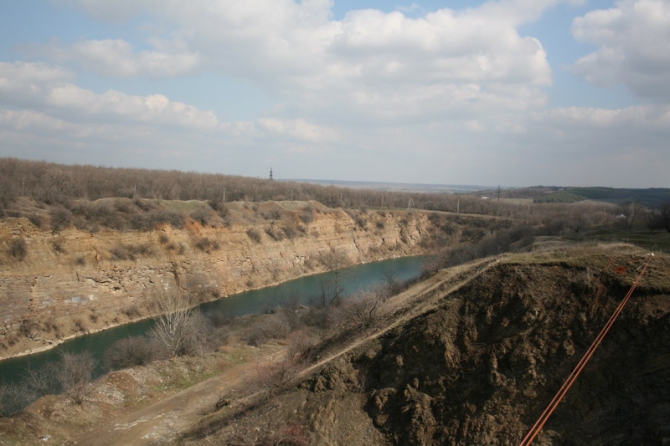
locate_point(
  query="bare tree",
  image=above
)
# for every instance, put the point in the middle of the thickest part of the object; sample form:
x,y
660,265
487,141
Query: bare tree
x,y
13,398
331,288
660,219
631,212
75,371
175,324
42,380
363,308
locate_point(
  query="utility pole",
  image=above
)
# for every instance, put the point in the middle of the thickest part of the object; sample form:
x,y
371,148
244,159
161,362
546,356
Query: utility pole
x,y
458,205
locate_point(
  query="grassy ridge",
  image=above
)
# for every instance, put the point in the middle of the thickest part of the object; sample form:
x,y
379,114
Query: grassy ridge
x,y
649,197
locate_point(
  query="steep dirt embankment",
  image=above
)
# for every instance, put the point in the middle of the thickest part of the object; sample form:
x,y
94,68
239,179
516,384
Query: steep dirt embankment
x,y
76,281
480,364
481,368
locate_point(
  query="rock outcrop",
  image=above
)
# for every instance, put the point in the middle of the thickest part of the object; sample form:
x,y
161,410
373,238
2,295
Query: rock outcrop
x,y
74,281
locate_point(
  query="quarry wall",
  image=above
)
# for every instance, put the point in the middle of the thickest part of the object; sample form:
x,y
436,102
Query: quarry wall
x,y
73,282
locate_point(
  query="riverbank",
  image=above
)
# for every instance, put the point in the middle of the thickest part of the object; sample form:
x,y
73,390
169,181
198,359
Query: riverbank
x,y
289,294
76,282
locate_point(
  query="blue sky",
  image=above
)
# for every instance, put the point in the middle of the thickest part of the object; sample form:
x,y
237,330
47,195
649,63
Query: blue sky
x,y
510,92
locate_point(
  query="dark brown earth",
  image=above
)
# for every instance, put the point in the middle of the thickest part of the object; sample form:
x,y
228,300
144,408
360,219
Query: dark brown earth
x,y
476,363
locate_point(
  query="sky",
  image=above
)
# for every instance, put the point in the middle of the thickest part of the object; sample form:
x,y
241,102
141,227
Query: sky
x,y
508,92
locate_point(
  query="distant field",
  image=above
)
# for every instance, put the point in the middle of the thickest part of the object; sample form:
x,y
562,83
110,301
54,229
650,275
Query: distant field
x,y
519,201
652,240
398,187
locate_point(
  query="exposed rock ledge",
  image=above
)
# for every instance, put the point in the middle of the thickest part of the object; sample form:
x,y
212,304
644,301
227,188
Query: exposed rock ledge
x,y
75,282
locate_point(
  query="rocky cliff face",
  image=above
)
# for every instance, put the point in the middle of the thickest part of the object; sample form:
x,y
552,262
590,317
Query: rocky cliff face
x,y
75,281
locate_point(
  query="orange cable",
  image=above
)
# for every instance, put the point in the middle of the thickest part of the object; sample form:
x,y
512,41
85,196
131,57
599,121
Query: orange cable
x,y
539,424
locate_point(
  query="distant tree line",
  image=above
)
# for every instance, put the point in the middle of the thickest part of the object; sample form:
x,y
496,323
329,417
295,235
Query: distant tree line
x,y
58,184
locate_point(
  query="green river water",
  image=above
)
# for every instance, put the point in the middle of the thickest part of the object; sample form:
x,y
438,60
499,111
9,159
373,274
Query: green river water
x,y
298,291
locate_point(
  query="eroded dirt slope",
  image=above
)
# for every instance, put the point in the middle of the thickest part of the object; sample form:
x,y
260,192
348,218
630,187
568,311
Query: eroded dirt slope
x,y
480,364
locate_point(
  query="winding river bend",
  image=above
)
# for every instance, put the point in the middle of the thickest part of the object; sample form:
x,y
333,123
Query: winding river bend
x,y
298,291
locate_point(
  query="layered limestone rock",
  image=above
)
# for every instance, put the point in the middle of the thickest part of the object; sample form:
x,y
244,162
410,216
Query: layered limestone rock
x,y
73,282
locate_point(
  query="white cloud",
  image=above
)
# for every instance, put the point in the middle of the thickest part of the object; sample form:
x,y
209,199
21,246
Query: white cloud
x,y
298,129
371,58
47,87
117,58
25,84
634,47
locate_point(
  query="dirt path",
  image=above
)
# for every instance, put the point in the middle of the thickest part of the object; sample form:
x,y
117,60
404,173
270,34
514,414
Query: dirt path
x,y
164,420
425,296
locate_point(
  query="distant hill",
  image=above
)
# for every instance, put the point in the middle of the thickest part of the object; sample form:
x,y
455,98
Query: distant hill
x,y
398,187
651,197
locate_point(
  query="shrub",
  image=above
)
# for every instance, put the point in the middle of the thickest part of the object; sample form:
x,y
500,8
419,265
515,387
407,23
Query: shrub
x,y
290,231
219,207
301,344
130,252
145,205
202,336
275,375
254,235
131,312
167,216
361,222
274,326
18,248
307,215
130,352
363,309
57,246
13,397
205,244
274,233
36,220
60,218
40,381
75,371
202,215
274,214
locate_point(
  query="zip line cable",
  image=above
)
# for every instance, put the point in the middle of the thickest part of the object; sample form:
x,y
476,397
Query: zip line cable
x,y
539,424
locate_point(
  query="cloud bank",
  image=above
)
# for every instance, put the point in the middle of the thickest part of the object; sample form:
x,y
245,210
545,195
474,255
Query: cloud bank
x,y
419,89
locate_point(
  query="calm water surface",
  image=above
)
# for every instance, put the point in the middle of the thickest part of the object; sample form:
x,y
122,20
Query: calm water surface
x,y
298,291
